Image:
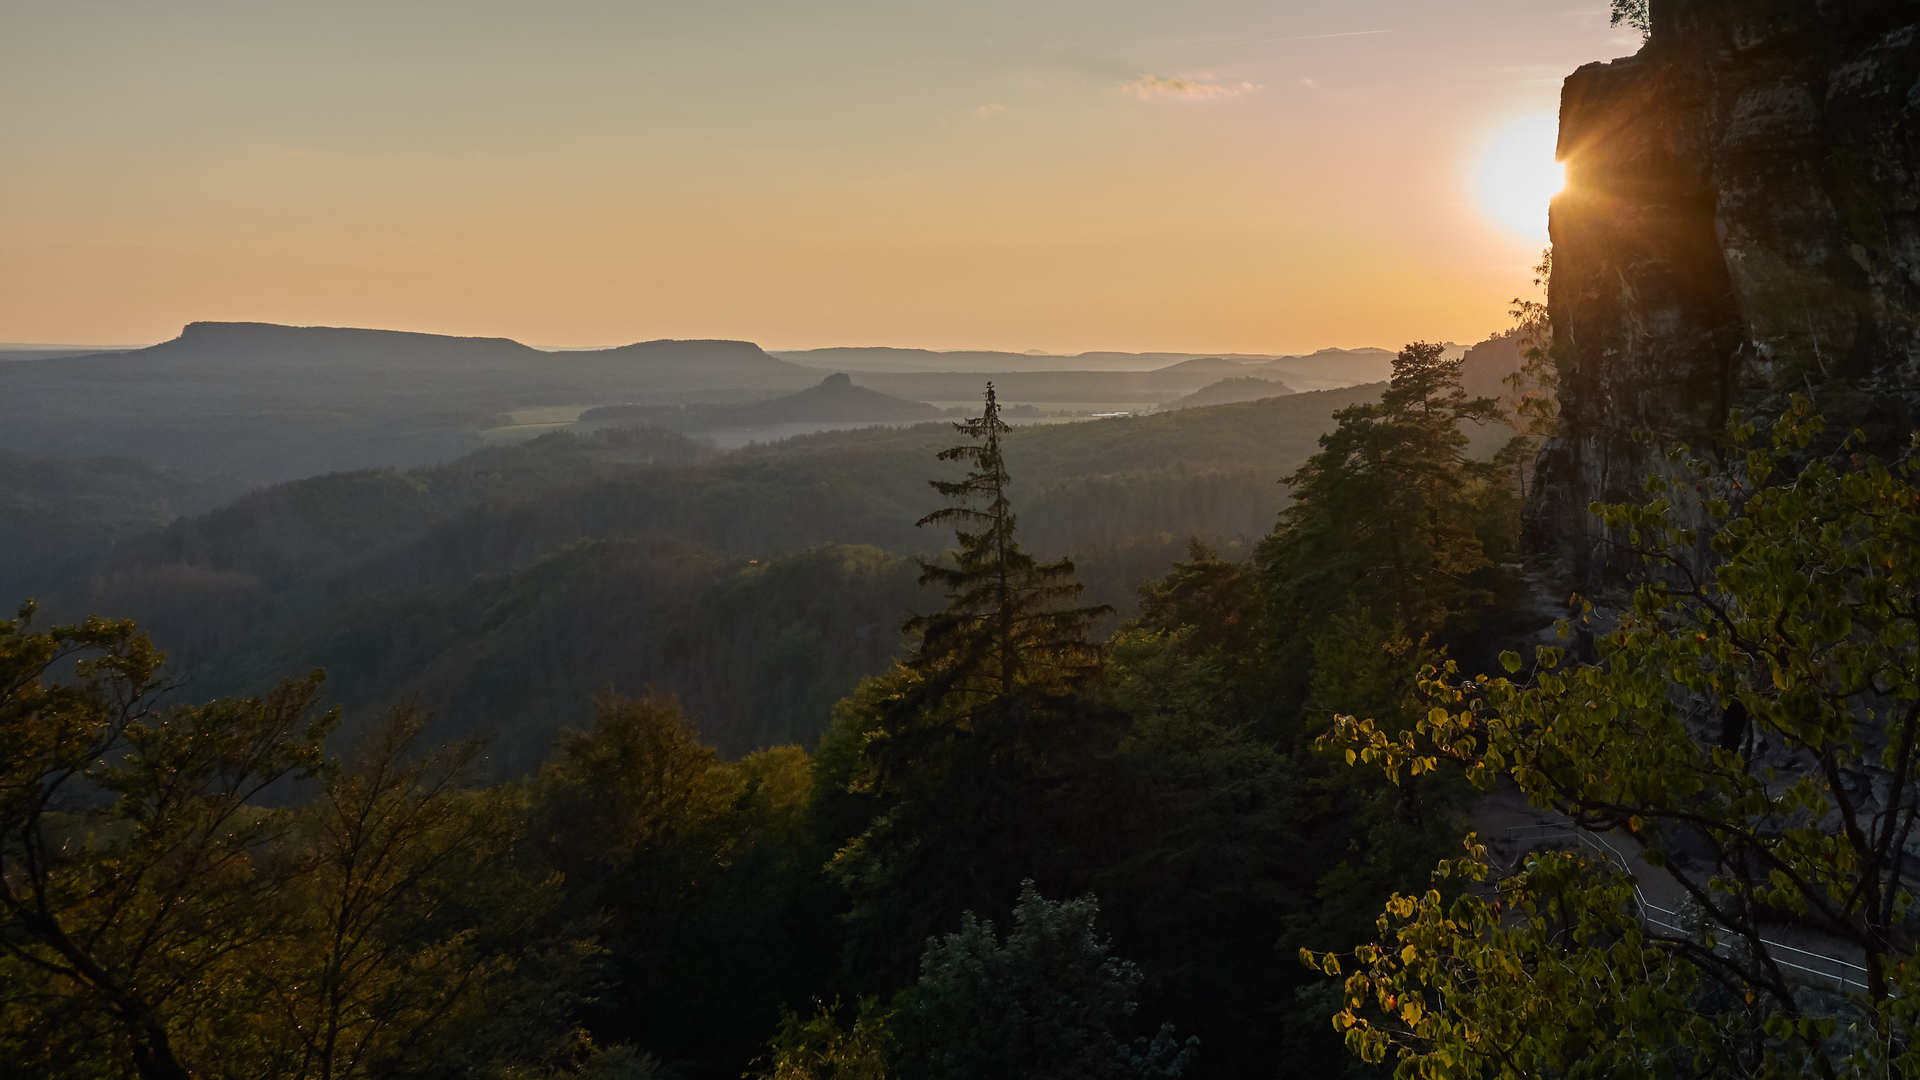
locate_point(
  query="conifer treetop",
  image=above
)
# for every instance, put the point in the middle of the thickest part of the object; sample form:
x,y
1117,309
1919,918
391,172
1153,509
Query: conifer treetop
x,y
1008,619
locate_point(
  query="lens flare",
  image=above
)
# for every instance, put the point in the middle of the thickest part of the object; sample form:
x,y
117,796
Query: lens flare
x,y
1517,176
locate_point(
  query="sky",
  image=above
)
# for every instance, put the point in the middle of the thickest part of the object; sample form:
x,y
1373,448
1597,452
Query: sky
x,y
1212,175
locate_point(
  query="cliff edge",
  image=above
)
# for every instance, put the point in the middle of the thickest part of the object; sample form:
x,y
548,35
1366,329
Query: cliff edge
x,y
1741,222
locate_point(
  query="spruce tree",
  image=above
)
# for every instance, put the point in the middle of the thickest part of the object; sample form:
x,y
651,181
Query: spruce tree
x,y
972,747
1006,625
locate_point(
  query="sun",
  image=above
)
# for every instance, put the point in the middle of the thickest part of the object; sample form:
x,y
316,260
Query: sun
x,y
1517,176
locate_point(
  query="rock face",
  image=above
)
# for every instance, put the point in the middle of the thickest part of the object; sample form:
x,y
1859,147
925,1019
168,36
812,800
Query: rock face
x,y
1741,222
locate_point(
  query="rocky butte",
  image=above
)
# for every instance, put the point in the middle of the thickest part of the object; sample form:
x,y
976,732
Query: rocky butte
x,y
1741,222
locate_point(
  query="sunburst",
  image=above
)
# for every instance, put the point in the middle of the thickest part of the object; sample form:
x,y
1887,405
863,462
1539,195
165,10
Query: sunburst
x,y
1517,177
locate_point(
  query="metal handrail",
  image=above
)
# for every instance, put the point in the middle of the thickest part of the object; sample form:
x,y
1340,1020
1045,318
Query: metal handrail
x,y
1646,906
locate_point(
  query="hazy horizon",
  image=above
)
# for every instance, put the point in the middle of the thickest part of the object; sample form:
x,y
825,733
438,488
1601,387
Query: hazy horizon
x,y
768,347
1123,177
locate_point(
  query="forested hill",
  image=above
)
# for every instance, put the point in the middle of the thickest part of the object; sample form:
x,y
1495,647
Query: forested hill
x,y
506,587
666,881
1231,390
56,514
1328,800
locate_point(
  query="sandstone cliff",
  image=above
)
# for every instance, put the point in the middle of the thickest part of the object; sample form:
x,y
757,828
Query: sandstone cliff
x,y
1742,221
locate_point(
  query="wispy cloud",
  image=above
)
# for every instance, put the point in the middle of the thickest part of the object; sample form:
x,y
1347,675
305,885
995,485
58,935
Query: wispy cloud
x,y
984,111
1175,88
1328,37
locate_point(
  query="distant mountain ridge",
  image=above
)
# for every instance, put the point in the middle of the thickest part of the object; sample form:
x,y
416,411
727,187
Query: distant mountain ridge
x,y
686,364
242,404
879,358
230,406
836,400
1331,366
12,351
1231,390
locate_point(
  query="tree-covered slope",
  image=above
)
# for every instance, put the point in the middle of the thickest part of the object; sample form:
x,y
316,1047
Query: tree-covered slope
x,y
450,572
758,649
57,514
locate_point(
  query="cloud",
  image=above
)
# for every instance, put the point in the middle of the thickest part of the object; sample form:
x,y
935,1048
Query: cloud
x,y
1328,37
984,111
1175,88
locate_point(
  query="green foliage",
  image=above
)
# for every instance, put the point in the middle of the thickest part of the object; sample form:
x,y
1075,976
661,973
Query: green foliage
x,y
1393,830
1208,845
1550,975
1206,595
159,915
695,869
413,943
1047,1000
650,903
1227,838
1383,517
817,1048
1637,14
134,870
1802,647
637,780
582,1060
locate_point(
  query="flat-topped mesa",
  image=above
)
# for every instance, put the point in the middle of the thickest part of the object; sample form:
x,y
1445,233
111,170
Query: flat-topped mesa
x,y
716,346
684,364
211,332
254,334
1741,222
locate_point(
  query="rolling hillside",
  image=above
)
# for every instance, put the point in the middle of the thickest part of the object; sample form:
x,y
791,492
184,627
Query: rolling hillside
x,y
464,570
1230,391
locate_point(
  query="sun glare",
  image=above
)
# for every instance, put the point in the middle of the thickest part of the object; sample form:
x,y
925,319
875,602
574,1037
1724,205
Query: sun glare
x,y
1517,176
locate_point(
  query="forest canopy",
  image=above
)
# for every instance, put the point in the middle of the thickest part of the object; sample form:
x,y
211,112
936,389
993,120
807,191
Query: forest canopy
x,y
1044,840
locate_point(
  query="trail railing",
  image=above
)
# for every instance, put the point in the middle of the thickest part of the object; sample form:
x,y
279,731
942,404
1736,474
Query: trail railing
x,y
1844,974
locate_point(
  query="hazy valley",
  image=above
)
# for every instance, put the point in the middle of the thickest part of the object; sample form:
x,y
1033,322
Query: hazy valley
x,y
640,541
386,705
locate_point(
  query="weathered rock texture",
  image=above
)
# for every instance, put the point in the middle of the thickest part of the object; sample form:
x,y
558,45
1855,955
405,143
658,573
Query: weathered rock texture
x,y
1742,222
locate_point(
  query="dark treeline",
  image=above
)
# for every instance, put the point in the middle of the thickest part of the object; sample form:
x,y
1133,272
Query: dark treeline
x,y
1048,841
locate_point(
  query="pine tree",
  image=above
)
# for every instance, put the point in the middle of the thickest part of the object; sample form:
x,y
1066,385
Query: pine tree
x,y
1006,627
1382,516
972,747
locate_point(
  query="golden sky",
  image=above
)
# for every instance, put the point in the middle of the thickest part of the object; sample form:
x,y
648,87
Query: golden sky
x,y
1216,175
